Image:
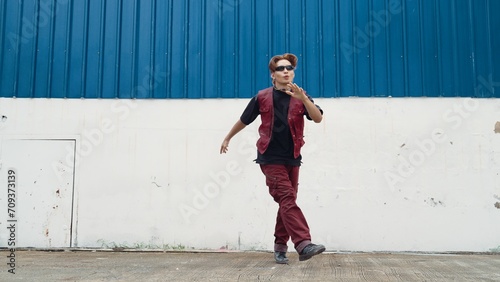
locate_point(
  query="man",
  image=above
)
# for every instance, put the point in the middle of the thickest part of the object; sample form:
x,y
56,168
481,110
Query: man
x,y
282,109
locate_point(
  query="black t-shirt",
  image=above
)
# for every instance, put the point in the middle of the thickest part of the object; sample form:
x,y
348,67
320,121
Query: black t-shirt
x,y
280,150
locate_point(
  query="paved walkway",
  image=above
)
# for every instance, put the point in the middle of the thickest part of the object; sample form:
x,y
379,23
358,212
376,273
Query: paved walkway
x,y
246,266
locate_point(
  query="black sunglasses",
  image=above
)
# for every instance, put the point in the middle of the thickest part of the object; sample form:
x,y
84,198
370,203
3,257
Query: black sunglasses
x,y
282,68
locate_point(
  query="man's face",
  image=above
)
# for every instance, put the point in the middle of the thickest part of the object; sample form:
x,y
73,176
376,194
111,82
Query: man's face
x,y
282,75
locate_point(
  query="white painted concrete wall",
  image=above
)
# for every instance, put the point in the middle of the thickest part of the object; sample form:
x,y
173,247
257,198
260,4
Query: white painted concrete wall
x,y
379,174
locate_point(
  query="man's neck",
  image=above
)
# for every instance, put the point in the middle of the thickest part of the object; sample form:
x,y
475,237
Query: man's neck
x,y
281,87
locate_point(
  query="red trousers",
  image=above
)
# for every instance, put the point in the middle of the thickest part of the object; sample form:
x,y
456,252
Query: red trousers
x,y
283,183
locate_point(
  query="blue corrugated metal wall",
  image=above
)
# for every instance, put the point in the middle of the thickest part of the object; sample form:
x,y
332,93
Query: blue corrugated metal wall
x,y
220,48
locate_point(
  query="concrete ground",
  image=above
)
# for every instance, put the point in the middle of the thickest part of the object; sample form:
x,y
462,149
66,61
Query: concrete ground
x,y
88,265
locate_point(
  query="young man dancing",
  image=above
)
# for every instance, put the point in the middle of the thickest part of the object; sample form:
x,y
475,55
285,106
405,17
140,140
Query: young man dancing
x,y
282,109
